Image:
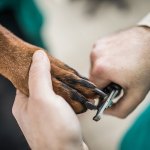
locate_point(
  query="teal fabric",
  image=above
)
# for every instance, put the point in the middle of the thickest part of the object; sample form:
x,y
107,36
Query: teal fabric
x,y
28,16
138,136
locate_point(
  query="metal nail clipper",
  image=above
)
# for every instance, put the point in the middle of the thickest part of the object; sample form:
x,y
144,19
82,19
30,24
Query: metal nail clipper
x,y
108,94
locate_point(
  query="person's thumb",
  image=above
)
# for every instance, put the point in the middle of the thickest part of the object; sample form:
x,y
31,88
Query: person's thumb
x,y
40,83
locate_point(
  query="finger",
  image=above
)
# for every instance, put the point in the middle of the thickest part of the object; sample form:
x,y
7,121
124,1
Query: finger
x,y
20,104
99,73
126,104
39,76
99,80
101,83
93,57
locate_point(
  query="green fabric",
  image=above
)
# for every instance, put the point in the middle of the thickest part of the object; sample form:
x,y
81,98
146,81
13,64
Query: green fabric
x,y
28,17
138,136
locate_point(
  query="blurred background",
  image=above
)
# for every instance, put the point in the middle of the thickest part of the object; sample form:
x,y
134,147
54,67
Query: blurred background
x,y
68,29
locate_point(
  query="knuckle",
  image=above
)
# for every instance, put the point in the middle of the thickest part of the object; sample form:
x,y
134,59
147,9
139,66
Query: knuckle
x,y
93,54
98,50
101,43
95,44
99,67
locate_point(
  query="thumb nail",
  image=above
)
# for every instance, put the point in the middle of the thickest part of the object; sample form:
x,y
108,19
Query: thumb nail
x,y
39,55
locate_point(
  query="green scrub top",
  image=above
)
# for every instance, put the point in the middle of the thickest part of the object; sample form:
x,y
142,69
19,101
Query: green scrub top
x,y
138,136
28,16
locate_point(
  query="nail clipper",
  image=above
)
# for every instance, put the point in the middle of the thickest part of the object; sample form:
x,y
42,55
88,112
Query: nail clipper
x,y
108,94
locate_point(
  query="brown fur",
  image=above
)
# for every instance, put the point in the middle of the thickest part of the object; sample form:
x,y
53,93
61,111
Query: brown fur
x,y
15,60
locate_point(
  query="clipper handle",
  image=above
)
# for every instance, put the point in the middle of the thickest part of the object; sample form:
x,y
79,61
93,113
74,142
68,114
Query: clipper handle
x,y
113,90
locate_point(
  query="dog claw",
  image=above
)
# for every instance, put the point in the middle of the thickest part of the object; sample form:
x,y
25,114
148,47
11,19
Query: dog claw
x,y
100,92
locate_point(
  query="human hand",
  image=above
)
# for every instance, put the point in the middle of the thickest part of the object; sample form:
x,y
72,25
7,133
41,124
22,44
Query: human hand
x,y
123,58
46,119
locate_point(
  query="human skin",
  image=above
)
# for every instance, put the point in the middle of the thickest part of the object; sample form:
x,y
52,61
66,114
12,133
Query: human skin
x,y
48,122
123,58
46,119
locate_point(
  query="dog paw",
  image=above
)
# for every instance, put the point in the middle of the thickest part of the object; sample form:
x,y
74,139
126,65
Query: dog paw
x,y
74,88
16,58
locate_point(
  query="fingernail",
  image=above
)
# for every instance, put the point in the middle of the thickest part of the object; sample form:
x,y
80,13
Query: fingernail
x,y
39,55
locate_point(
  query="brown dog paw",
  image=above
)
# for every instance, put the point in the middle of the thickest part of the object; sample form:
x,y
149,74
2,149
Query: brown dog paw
x,y
15,60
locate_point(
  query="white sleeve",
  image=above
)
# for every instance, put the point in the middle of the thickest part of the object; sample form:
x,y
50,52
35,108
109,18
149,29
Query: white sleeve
x,y
145,21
